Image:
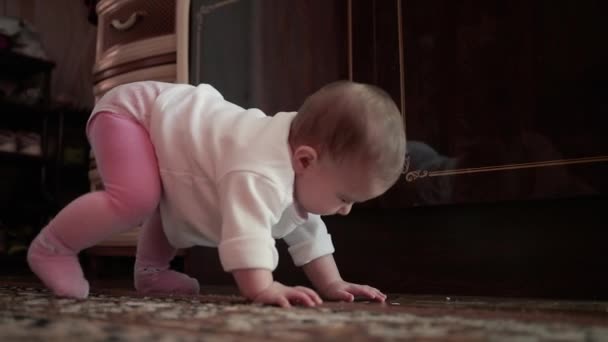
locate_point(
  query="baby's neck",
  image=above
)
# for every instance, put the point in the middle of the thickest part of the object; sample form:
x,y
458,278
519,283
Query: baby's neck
x,y
301,212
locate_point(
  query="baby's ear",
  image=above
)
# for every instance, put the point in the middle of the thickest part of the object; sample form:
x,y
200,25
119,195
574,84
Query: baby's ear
x,y
303,157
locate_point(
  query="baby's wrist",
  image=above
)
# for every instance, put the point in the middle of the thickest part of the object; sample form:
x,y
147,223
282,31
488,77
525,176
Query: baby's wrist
x,y
326,285
252,282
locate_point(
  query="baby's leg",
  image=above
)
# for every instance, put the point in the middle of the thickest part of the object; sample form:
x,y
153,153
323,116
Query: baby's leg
x,y
152,273
129,170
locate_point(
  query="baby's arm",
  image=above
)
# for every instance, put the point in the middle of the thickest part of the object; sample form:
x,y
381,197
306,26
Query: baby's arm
x,y
322,271
310,246
257,285
325,277
249,206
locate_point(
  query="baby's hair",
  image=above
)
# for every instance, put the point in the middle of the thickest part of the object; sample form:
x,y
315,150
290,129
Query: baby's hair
x,y
353,121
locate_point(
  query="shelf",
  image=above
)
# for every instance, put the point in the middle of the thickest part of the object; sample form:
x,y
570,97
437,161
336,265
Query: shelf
x,y
9,105
35,206
16,65
16,157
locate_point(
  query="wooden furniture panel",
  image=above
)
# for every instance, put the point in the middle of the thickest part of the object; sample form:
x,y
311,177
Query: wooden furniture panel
x,y
137,55
504,110
300,46
492,95
163,73
123,22
267,54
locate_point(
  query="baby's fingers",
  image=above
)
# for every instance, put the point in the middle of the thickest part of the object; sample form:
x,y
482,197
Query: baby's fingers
x,y
367,291
343,295
300,297
311,293
283,302
279,300
380,296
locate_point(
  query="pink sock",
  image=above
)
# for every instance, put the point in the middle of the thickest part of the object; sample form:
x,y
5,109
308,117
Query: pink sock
x,y
154,253
57,266
149,280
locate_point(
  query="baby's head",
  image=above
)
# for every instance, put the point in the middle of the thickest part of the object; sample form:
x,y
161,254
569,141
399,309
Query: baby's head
x,y
348,146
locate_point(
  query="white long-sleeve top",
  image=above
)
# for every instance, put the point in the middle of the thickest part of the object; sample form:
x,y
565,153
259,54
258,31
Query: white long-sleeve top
x,y
226,174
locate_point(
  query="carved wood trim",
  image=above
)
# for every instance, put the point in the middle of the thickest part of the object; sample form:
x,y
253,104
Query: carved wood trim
x,y
163,73
121,54
413,175
168,58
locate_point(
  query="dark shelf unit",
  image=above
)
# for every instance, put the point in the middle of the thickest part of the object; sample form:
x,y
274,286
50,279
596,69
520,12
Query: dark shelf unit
x,y
15,157
27,198
18,66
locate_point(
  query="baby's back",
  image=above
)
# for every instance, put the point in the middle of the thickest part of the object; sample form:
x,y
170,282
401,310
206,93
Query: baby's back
x,y
194,129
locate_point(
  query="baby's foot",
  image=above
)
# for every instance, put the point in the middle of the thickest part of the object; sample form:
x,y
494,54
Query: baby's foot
x,y
150,280
57,267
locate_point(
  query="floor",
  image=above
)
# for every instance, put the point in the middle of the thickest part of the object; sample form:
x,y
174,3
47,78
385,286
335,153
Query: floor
x,y
116,313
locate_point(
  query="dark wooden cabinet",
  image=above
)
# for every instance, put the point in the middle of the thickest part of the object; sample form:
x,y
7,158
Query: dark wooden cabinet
x,y
503,100
505,111
268,54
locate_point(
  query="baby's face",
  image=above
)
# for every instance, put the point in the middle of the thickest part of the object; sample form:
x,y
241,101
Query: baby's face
x,y
328,188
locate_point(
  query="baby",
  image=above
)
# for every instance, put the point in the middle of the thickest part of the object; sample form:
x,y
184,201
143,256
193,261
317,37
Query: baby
x,y
198,170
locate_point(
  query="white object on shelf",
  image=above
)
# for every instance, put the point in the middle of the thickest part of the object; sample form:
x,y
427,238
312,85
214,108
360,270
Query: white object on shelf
x,y
8,141
29,143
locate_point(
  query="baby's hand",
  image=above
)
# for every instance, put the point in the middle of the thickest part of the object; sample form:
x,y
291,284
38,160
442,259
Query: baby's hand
x,y
284,296
342,290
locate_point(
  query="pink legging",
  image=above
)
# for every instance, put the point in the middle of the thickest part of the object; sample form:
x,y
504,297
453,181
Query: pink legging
x,y
132,188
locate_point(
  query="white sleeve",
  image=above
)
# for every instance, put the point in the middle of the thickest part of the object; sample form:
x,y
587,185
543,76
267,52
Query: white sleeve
x,y
249,205
309,241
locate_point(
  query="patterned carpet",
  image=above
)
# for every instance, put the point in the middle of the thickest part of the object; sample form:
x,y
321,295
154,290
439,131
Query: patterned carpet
x,y
31,314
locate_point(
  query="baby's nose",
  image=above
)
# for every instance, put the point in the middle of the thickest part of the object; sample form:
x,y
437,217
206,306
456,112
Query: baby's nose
x,y
345,209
